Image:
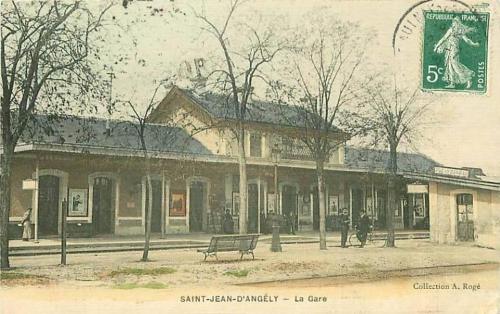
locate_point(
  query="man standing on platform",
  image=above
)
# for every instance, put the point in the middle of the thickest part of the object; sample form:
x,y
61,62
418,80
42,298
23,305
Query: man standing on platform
x,y
344,227
363,228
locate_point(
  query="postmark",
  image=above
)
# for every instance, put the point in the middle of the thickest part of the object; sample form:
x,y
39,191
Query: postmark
x,y
455,51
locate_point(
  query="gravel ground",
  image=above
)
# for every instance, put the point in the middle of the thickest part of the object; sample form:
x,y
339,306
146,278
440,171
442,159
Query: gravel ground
x,y
296,261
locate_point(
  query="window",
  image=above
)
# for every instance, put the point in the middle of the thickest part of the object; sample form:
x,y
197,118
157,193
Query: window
x,y
464,206
419,205
255,145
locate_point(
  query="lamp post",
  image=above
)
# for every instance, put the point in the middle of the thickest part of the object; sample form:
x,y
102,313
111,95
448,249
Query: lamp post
x,y
276,243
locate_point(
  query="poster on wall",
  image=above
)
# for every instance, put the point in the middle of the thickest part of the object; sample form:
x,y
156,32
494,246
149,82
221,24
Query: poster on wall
x,y
77,206
333,204
178,204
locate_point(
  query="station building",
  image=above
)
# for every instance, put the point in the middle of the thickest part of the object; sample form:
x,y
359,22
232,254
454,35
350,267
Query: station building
x,y
98,166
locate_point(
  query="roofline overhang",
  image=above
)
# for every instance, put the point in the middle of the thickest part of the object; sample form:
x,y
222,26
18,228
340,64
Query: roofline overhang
x,y
464,182
210,158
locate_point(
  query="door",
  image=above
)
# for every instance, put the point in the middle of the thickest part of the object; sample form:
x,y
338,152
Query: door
x,y
48,205
289,203
253,208
196,204
157,201
357,204
102,206
465,217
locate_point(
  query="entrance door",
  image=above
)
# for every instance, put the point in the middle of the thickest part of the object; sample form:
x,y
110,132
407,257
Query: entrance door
x,y
196,204
253,208
289,202
102,206
48,205
465,217
157,199
357,204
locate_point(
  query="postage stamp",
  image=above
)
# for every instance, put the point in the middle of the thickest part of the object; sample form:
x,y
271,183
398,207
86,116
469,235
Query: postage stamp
x,y
455,51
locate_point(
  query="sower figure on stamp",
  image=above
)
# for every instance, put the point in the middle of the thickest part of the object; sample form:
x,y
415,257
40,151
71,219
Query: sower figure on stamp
x,y
362,228
344,227
455,72
26,222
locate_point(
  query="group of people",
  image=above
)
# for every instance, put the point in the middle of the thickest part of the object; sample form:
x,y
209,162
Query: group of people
x,y
362,228
287,221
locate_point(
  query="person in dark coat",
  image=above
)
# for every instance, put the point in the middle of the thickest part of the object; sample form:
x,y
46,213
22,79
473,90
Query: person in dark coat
x,y
344,227
363,227
228,224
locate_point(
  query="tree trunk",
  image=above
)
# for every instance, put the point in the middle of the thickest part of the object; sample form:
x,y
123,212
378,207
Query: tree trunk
x,y
392,201
149,210
5,178
322,207
243,216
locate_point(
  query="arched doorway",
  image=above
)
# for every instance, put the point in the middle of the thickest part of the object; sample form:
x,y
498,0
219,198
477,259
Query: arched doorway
x,y
289,194
48,204
197,194
102,205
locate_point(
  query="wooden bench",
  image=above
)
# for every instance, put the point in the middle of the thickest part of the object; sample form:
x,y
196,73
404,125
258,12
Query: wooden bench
x,y
243,243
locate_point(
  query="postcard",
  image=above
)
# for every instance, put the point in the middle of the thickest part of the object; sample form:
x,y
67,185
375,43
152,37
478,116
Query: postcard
x,y
250,156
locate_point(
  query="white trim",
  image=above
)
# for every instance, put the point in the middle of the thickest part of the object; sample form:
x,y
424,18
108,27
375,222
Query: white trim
x,y
260,183
63,191
129,218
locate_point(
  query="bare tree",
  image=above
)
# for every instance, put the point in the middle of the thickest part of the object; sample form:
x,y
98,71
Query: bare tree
x,y
45,63
324,87
235,76
393,115
154,138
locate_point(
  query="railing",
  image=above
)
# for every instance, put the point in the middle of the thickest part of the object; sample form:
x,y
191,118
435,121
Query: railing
x,y
296,153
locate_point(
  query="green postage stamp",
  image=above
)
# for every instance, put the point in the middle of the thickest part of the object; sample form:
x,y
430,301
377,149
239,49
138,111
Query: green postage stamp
x,y
455,51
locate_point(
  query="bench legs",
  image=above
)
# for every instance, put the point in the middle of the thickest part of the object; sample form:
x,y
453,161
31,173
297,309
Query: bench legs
x,y
210,254
214,254
246,252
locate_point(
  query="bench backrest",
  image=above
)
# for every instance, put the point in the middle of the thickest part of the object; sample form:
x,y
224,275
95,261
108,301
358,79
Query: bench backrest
x,y
242,242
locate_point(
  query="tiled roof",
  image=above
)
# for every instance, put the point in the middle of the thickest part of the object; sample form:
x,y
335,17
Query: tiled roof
x,y
372,159
122,134
257,111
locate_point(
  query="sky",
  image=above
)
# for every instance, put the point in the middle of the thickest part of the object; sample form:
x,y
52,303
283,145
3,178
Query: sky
x,y
465,129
